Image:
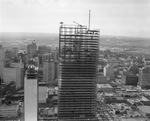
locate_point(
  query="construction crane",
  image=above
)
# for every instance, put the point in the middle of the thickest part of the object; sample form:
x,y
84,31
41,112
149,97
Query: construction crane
x,y
89,22
78,24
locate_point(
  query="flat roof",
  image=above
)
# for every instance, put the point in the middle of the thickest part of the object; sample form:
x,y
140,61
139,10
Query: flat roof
x,y
144,109
8,107
104,86
134,119
42,93
120,98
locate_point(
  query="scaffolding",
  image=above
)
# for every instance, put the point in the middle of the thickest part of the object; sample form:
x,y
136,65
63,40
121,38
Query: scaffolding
x,y
78,56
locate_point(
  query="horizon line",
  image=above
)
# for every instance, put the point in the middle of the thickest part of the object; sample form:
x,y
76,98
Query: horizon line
x,y
100,34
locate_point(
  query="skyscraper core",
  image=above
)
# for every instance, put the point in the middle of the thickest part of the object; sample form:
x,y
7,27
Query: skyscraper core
x,y
78,56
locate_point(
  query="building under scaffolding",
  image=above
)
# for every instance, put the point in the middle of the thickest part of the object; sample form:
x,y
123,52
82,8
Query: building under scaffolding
x,y
78,54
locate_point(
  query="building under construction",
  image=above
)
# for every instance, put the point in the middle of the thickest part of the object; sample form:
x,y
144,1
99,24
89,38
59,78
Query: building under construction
x,y
78,54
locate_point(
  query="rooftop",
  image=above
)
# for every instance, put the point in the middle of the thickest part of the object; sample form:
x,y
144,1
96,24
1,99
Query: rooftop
x,y
8,107
145,109
104,86
42,94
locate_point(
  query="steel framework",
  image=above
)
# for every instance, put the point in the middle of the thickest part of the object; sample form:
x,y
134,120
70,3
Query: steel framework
x,y
78,56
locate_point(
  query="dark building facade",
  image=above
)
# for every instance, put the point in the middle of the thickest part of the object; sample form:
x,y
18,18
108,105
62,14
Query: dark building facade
x,y
144,77
32,50
78,62
130,79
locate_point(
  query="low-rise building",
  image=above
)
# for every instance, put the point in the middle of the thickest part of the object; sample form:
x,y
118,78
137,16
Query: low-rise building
x,y
101,79
9,111
104,88
145,110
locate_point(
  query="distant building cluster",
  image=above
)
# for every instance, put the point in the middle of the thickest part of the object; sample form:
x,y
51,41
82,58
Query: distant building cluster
x,y
13,63
16,88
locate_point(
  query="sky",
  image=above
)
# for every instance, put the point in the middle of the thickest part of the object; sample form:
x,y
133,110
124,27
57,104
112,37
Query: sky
x,y
112,17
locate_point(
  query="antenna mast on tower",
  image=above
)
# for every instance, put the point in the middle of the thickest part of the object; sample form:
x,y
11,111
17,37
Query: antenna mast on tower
x,y
89,17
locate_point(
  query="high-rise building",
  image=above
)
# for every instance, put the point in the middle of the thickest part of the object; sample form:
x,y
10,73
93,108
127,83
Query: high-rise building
x,y
55,55
15,75
46,57
31,94
78,56
48,71
42,49
144,77
2,57
129,79
31,50
15,51
49,49
36,61
56,69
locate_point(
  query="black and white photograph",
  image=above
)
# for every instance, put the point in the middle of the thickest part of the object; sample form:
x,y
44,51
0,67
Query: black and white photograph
x,y
74,60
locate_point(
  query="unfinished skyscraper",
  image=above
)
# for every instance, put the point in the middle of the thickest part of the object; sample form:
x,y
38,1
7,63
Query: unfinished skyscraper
x,y
78,56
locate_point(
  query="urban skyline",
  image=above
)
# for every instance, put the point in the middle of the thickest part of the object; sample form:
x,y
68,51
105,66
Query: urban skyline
x,y
74,60
117,97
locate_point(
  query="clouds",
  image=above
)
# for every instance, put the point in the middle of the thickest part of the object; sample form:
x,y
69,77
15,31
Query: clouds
x,y
115,17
